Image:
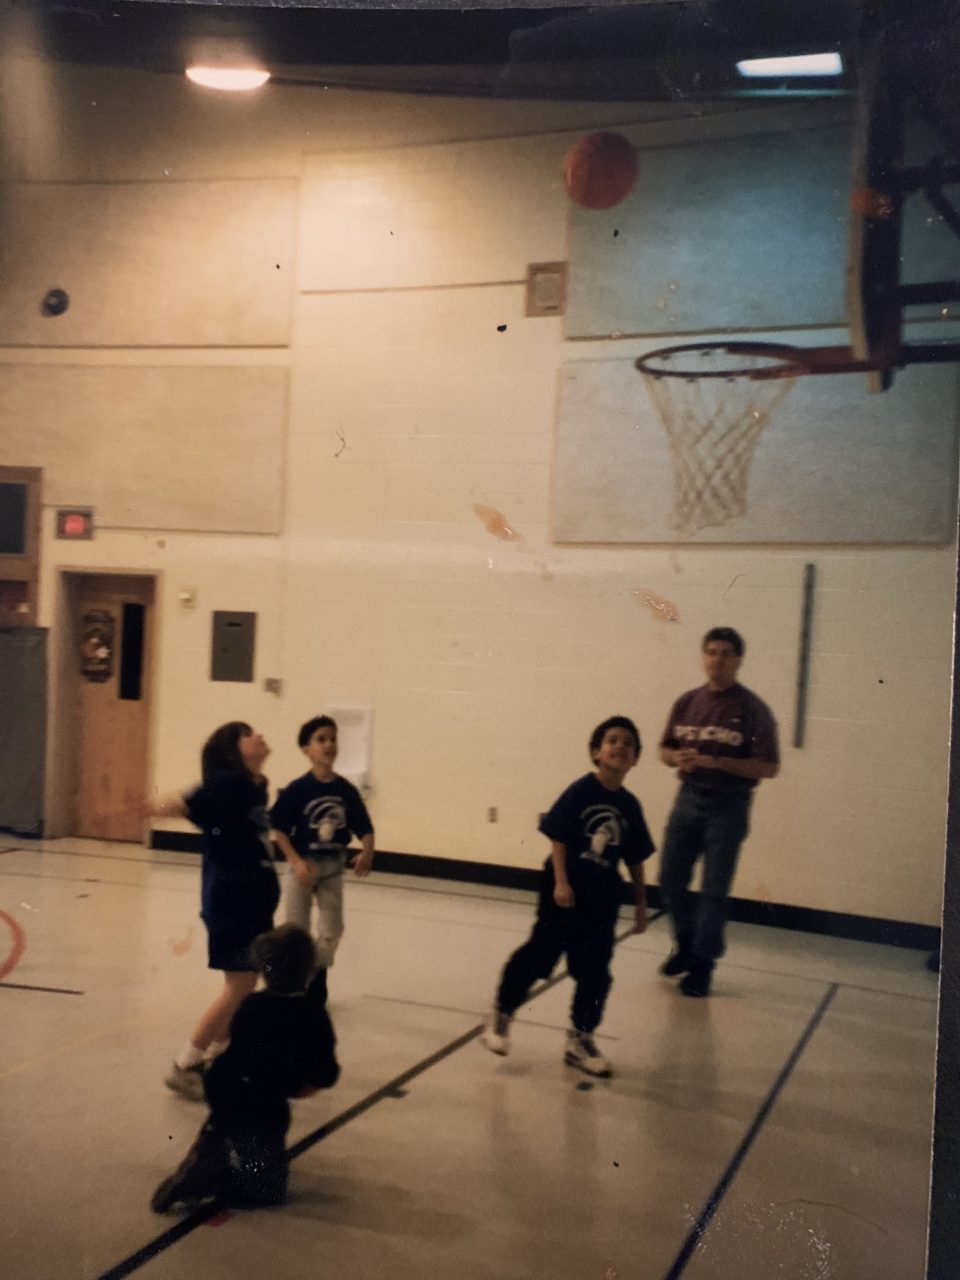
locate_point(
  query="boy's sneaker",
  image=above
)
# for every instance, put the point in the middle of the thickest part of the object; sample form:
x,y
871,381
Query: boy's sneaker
x,y
166,1195
583,1053
172,1193
187,1081
496,1034
697,981
677,962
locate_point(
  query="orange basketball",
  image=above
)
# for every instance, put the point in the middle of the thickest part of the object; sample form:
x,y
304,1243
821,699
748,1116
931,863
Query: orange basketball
x,y
600,170
872,204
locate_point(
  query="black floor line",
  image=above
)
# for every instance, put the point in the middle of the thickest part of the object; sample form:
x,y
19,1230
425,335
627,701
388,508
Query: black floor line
x,y
389,1090
529,894
161,1243
421,1004
106,857
57,991
472,1013
731,965
195,859
56,878
896,995
713,1203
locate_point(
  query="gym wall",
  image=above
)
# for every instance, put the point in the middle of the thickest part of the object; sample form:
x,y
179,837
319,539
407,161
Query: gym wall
x,y
419,390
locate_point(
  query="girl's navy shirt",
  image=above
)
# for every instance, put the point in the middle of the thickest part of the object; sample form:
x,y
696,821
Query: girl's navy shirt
x,y
238,881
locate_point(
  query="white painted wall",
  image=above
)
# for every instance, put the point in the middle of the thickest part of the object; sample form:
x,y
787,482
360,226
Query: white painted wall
x,y
487,662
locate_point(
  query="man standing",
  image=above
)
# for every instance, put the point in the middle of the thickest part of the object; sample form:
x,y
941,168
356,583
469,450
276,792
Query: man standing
x,y
722,739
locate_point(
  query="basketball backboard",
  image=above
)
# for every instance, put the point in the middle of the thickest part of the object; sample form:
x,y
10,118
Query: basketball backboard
x,y
875,224
886,173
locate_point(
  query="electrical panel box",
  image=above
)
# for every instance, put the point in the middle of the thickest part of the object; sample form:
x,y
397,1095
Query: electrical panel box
x,y
233,646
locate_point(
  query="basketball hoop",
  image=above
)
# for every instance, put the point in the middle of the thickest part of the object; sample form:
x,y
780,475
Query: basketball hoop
x,y
714,400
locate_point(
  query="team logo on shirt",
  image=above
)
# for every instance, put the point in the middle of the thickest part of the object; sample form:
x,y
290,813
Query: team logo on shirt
x,y
325,817
707,733
603,828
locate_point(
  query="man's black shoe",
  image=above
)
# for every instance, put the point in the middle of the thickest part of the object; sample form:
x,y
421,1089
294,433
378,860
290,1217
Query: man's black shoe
x,y
677,962
697,981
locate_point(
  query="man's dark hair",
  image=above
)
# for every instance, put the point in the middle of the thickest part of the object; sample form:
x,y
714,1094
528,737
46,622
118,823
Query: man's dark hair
x,y
285,956
615,722
310,728
221,751
728,634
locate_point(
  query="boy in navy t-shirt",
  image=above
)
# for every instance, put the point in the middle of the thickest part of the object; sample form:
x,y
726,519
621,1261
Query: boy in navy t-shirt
x,y
594,824
313,819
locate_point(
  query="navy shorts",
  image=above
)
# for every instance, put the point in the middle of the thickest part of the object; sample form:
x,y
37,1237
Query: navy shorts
x,y
229,949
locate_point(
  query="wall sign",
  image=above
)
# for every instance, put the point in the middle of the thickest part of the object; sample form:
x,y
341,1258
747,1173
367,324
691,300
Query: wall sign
x,y
75,523
98,645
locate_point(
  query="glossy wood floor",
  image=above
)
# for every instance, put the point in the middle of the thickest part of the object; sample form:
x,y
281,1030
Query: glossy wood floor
x,y
779,1129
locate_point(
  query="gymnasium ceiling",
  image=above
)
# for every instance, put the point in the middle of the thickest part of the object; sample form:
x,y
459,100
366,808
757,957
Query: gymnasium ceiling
x,y
657,50
641,50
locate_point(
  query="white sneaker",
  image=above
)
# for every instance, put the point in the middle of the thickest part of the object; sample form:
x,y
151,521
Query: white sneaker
x,y
583,1053
497,1032
187,1081
214,1052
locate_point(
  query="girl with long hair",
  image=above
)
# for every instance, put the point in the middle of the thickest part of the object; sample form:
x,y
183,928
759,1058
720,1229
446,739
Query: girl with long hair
x,y
239,885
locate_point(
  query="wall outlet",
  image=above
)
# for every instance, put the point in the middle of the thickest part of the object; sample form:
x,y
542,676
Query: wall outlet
x,y
493,814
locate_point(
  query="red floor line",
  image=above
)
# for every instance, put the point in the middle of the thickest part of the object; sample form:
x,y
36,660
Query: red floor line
x,y
17,948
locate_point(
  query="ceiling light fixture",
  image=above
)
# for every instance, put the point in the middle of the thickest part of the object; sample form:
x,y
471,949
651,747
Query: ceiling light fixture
x,y
807,64
231,78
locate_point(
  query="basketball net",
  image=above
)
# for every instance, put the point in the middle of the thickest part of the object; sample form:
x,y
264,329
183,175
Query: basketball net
x,y
714,403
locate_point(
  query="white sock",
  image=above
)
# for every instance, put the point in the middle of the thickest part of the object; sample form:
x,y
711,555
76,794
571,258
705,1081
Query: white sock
x,y
189,1056
216,1048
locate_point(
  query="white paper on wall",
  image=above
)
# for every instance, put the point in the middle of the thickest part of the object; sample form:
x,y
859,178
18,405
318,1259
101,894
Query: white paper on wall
x,y
354,742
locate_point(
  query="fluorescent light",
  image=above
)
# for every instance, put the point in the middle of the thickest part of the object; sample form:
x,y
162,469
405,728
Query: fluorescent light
x,y
807,64
235,78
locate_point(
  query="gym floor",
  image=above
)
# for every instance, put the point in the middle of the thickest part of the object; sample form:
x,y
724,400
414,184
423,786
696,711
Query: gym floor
x,y
785,1120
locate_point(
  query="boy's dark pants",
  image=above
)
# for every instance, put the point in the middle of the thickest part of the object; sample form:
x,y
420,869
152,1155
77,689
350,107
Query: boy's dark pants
x,y
317,990
585,932
235,1157
246,1165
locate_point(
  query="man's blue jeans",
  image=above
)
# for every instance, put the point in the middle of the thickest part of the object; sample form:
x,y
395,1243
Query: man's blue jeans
x,y
712,825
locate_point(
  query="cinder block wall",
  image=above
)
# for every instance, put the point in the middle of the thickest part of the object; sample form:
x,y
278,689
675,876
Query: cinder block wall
x,y
358,260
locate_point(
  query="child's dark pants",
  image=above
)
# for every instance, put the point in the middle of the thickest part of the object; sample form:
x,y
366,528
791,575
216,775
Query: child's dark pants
x,y
244,1165
585,933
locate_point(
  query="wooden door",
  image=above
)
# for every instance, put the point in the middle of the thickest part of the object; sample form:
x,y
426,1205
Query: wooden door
x,y
112,626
